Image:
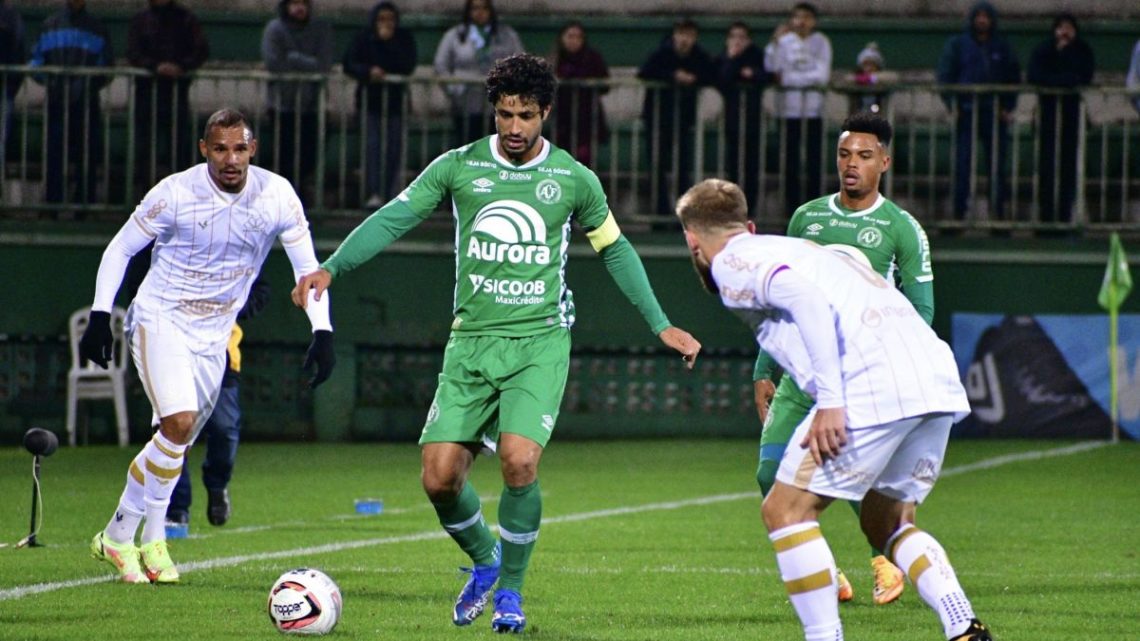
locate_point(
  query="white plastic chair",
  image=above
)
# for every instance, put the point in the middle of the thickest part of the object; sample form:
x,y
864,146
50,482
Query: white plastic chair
x,y
93,382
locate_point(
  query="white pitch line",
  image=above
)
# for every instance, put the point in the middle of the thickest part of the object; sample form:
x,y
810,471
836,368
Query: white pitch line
x,y
986,464
230,561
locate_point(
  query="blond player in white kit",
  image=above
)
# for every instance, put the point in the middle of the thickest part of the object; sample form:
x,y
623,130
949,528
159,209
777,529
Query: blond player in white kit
x,y
886,391
212,226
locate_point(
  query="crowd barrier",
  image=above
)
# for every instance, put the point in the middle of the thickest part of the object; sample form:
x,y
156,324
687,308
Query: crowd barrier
x,y
1059,162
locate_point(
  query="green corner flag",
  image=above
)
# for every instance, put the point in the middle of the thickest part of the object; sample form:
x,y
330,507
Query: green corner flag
x,y
1117,283
1117,280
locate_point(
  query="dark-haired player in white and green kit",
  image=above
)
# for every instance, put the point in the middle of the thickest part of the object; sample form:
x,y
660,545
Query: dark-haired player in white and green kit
x,y
863,224
513,195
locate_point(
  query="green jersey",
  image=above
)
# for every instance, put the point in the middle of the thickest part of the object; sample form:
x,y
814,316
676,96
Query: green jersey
x,y
512,233
891,239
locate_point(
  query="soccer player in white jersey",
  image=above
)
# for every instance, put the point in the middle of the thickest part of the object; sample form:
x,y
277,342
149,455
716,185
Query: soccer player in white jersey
x,y
212,226
886,392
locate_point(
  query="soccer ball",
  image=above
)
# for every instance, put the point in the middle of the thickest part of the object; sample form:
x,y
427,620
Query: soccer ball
x,y
304,601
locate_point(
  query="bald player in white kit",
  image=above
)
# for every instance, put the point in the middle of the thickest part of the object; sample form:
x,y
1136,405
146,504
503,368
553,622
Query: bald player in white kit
x,y
886,391
212,226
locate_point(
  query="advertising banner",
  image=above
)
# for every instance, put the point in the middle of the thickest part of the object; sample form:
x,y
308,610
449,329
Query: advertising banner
x,y
1045,376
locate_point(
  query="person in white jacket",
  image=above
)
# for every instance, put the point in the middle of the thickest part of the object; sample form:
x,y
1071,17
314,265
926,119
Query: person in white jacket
x,y
799,57
469,50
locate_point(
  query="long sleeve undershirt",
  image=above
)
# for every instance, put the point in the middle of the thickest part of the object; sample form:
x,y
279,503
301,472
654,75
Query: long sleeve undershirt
x,y
627,270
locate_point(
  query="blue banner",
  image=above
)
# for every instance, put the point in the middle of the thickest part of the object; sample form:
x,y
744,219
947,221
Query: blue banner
x,y
1045,376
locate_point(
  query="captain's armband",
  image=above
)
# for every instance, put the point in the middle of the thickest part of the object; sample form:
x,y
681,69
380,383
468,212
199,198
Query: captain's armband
x,y
605,234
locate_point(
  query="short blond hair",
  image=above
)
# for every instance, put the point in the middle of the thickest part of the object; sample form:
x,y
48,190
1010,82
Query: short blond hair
x,y
713,205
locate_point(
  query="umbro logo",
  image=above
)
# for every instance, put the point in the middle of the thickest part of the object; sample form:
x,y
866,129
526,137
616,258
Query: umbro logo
x,y
483,185
814,228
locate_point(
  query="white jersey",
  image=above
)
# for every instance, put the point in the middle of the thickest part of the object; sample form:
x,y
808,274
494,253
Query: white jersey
x,y
845,334
209,248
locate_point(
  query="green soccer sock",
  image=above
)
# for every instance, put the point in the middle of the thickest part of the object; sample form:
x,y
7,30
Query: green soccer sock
x,y
520,512
463,520
857,508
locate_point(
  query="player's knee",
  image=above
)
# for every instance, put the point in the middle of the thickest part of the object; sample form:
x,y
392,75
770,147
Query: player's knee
x,y
772,513
519,471
440,488
178,428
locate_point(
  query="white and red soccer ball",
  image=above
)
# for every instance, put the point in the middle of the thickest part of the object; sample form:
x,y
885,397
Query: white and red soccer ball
x,y
304,601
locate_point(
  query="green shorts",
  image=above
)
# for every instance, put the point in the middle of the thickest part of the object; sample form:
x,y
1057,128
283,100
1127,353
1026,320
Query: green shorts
x,y
789,407
494,384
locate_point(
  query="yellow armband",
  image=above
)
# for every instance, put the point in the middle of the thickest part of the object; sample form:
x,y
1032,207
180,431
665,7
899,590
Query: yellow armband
x,y
606,234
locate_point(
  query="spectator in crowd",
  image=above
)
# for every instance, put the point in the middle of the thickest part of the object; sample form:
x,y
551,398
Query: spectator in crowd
x,y
980,55
800,57
296,42
870,73
1064,61
13,51
741,78
166,40
1133,81
670,111
469,50
579,120
72,37
380,49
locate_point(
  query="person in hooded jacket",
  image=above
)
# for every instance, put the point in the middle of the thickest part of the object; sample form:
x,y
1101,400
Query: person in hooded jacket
x,y
980,55
72,37
741,79
296,42
1064,61
381,49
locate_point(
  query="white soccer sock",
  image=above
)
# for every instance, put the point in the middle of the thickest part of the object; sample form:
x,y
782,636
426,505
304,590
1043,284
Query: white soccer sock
x,y
808,570
125,522
154,528
924,561
163,466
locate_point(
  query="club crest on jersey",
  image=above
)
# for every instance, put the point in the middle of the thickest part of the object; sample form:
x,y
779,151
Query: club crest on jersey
x,y
870,237
254,223
548,191
517,234
483,185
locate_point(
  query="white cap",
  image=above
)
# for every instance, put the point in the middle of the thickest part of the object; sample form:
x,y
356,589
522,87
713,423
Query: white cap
x,y
870,53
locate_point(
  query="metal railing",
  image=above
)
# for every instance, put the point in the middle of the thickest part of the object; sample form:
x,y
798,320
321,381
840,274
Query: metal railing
x,y
88,140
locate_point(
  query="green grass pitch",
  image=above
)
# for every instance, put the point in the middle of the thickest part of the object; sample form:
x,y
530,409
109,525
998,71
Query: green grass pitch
x,y
641,541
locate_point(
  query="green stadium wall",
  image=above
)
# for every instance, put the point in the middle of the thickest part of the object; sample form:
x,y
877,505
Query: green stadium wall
x,y
392,318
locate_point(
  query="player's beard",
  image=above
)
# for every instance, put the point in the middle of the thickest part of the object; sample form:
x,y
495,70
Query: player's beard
x,y
704,274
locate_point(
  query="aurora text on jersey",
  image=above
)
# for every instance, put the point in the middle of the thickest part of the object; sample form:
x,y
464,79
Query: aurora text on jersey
x,y
512,232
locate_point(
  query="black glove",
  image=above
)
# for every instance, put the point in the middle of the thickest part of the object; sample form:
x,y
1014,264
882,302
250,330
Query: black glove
x,y
97,341
322,355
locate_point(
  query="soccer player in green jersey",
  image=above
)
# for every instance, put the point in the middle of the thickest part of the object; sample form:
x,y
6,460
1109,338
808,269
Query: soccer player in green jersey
x,y
513,195
859,221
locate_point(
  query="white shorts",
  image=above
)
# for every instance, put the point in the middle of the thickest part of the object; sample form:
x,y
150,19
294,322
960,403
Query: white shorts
x,y
900,460
175,378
